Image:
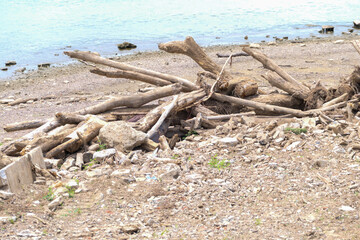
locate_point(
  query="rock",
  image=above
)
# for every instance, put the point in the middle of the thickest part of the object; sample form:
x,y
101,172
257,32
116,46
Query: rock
x,y
10,63
255,45
94,147
308,122
74,184
126,45
327,29
335,127
5,195
130,229
346,208
338,41
56,203
293,146
4,69
121,173
88,156
170,171
321,163
356,23
6,100
121,136
53,163
246,37
229,141
69,162
40,182
44,65
20,70
102,155
271,43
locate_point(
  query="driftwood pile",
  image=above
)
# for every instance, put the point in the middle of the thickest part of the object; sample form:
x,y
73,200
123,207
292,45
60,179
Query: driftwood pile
x,y
194,105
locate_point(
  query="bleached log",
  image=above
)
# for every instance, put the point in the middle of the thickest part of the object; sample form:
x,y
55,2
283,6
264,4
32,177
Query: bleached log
x,y
24,125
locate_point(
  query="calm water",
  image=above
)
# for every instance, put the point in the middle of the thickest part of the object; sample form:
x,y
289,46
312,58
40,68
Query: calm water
x,y
34,31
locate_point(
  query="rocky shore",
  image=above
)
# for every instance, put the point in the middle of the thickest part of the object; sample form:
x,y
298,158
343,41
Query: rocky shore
x,y
249,178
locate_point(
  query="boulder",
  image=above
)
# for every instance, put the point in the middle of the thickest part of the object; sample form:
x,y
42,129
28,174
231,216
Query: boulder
x,y
121,136
356,24
126,45
10,63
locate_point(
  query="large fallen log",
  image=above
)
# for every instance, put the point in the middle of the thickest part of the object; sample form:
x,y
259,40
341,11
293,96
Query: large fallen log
x,y
259,106
271,65
131,75
133,100
24,125
94,58
301,93
226,82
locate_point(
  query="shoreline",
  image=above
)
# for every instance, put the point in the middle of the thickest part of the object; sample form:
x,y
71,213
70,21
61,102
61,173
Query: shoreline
x,y
131,54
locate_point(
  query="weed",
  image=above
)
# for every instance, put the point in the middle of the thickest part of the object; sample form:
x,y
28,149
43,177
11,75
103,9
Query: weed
x,y
92,162
217,163
1,143
189,133
77,211
71,191
175,156
257,221
50,195
11,220
102,146
297,131
164,232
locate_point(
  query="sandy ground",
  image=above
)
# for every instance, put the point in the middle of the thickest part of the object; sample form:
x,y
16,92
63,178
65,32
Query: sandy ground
x,y
267,192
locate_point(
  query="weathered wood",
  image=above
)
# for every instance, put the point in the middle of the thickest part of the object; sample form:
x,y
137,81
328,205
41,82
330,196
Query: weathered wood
x,y
356,44
271,65
259,106
342,98
132,75
19,173
185,100
69,118
228,116
48,126
278,99
133,111
173,141
36,157
23,100
149,145
165,113
203,110
88,131
94,58
219,55
164,145
133,100
24,125
293,90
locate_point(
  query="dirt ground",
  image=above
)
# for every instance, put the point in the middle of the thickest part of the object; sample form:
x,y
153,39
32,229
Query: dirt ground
x,y
291,186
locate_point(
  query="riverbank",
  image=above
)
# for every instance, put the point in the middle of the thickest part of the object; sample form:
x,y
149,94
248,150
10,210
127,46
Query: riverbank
x,y
72,87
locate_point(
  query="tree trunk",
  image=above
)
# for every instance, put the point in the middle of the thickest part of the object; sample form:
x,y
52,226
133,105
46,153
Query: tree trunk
x,y
24,125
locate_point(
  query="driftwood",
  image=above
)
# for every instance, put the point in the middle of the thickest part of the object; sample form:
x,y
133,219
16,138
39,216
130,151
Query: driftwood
x,y
164,145
271,65
336,100
69,118
191,49
219,55
132,75
24,125
301,93
132,101
133,111
356,44
94,58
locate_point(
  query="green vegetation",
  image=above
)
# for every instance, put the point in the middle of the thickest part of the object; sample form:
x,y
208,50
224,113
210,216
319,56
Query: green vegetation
x,y
175,156
11,220
71,191
257,221
217,163
91,163
50,195
297,131
189,133
102,146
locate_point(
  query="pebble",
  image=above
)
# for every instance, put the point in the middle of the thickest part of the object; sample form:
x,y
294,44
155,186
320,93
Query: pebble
x,y
56,203
338,41
230,141
347,208
5,195
255,45
102,155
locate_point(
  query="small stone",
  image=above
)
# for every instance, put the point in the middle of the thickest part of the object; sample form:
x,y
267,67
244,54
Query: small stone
x,y
130,229
303,45
55,203
255,45
44,65
356,23
271,43
126,45
230,141
109,191
321,163
121,173
339,41
102,155
246,37
88,156
20,70
40,182
347,208
69,162
5,195
6,100
74,184
94,147
53,163
293,146
170,171
4,69
10,63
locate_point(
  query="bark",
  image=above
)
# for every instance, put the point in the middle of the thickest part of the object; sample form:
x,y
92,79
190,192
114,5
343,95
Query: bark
x,y
293,90
342,98
94,58
259,106
132,101
69,118
132,75
164,145
271,65
24,125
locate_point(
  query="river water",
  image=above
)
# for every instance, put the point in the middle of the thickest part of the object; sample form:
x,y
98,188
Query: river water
x,y
38,31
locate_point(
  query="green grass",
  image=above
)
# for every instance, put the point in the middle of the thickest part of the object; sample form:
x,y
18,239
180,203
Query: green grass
x,y
189,133
257,221
71,191
50,195
102,146
217,163
297,131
